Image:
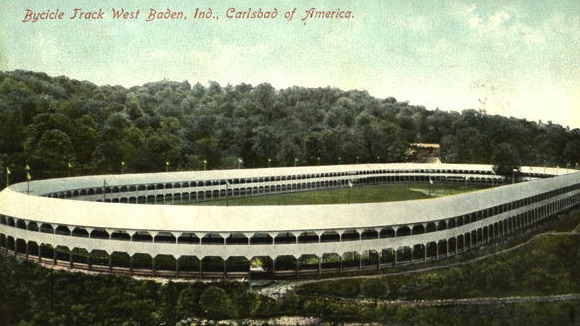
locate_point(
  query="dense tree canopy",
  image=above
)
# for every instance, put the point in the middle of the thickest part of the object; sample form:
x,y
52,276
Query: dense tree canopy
x,y
51,122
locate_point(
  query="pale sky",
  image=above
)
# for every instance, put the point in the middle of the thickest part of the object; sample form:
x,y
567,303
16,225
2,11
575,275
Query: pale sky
x,y
514,58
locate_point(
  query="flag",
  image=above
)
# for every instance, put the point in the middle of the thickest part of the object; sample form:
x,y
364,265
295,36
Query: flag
x,y
122,162
167,163
430,181
240,160
69,165
8,170
27,167
28,177
349,183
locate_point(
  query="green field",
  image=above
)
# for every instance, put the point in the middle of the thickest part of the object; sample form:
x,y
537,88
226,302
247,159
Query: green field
x,y
365,194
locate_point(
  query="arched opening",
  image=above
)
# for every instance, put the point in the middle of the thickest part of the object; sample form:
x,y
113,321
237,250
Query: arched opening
x,y
350,235
308,237
285,265
431,227
351,261
62,254
20,246
452,244
99,259
46,228
418,229
460,243
163,263
261,238
331,262
212,238
370,259
80,256
188,266
237,239
213,267
485,234
308,263
46,251
239,266
120,259
21,224
33,226
431,249
33,248
262,267
143,261
450,223
403,231
369,234
330,236
418,253
120,235
80,232
467,241
142,236
285,238
7,241
188,238
388,232
165,237
404,255
99,234
442,247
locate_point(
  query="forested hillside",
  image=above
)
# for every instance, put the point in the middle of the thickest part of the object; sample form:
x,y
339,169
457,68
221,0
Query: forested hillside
x,y
47,122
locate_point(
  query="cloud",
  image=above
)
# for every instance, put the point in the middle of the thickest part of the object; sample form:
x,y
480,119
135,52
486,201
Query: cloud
x,y
413,24
502,25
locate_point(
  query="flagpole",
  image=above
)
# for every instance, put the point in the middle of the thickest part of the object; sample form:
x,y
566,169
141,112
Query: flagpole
x,y
348,195
348,191
227,189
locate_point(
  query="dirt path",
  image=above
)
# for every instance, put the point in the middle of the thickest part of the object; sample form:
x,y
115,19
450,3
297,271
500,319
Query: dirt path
x,y
485,301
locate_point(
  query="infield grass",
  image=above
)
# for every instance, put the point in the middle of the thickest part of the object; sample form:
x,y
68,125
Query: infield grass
x,y
364,194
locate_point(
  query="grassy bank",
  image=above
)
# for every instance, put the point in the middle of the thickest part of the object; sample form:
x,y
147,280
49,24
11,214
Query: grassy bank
x,y
547,265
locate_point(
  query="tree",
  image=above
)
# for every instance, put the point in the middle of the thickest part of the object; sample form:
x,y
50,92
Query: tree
x,y
216,304
187,304
187,124
54,150
506,160
375,289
